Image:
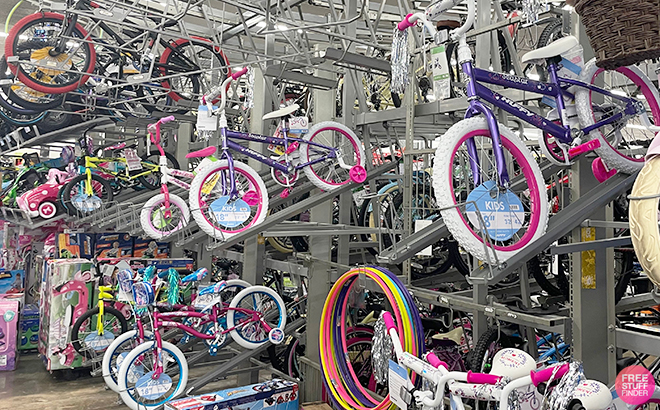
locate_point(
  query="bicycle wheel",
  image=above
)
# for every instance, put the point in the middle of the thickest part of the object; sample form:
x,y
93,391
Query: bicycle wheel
x,y
264,302
21,98
215,211
480,359
139,388
512,217
116,353
79,203
154,222
152,180
185,56
624,142
328,172
85,336
51,72
643,217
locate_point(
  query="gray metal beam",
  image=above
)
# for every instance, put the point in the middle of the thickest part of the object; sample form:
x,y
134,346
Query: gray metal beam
x,y
562,223
637,341
236,360
297,208
282,72
357,61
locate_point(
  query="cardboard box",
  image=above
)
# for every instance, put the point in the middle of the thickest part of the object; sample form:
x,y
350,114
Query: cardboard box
x,y
28,328
275,394
151,249
75,245
114,245
8,326
12,281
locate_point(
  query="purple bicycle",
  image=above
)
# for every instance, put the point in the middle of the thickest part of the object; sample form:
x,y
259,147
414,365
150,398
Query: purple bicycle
x,y
487,184
228,196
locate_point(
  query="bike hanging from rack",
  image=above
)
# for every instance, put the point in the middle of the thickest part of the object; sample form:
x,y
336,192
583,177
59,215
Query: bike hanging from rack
x,y
52,53
483,164
231,196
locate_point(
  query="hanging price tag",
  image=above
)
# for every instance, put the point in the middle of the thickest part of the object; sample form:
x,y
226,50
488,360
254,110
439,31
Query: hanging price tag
x,y
298,125
133,161
205,121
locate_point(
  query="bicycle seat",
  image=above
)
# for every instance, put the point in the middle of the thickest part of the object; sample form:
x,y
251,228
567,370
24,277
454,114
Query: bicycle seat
x,y
453,335
202,153
158,20
282,112
217,288
553,49
197,275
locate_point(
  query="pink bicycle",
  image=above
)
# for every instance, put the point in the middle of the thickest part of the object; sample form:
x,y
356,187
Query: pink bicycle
x,y
157,371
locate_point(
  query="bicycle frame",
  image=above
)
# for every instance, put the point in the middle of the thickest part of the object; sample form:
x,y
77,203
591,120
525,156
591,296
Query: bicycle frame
x,y
211,317
94,163
286,141
557,88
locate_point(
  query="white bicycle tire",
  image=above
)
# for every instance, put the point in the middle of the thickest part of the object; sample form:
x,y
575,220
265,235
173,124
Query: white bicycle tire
x,y
304,154
141,349
443,189
196,187
107,357
234,303
643,217
145,215
610,156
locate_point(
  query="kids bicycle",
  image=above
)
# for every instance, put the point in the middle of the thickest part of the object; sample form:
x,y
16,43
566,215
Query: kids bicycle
x,y
141,332
231,196
482,165
157,371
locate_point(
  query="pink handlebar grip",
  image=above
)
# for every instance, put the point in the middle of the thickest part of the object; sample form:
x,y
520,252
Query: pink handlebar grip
x,y
405,23
435,362
389,322
542,376
482,378
167,119
239,73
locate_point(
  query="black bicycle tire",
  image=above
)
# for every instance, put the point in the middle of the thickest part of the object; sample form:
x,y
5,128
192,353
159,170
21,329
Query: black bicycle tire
x,y
143,180
75,330
207,45
624,278
66,192
455,255
544,40
534,267
476,355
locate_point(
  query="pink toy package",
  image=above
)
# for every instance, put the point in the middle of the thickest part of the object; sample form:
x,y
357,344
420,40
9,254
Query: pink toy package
x,y
8,330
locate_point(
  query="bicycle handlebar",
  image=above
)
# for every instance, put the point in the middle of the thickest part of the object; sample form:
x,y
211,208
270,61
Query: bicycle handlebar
x,y
542,376
239,73
207,99
435,10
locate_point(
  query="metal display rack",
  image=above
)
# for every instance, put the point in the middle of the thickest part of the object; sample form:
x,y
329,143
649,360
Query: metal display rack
x,y
312,44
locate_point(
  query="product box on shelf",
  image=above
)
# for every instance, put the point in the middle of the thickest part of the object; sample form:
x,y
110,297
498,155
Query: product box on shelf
x,y
8,326
28,328
75,245
275,394
12,281
149,248
114,245
67,290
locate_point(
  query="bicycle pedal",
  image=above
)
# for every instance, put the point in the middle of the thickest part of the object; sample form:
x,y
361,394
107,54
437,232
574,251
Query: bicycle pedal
x,y
582,148
285,193
600,171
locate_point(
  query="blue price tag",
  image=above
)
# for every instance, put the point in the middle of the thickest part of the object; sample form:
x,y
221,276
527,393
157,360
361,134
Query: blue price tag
x,y
152,389
502,213
232,214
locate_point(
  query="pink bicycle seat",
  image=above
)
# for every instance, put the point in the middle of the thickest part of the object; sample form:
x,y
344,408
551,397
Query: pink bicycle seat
x,y
202,153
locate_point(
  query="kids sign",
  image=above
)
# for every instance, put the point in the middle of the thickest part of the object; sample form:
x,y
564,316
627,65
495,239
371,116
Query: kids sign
x,y
635,385
502,213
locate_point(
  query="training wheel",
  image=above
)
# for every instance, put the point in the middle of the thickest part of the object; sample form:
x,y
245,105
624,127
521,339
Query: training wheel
x,y
600,171
358,174
251,198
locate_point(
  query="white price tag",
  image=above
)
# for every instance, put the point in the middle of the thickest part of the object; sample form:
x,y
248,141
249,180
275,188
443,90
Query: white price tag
x,y
399,386
205,121
419,225
298,125
133,161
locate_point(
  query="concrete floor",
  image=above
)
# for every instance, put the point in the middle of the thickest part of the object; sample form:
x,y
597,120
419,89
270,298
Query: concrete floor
x,y
31,387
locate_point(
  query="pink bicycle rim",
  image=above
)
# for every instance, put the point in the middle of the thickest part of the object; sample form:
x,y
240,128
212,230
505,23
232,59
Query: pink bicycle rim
x,y
355,148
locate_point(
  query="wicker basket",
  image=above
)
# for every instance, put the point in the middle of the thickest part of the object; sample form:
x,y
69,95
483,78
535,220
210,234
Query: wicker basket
x,y
621,32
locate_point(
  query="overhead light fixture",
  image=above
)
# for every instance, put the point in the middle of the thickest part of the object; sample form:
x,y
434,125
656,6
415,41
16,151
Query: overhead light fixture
x,y
300,31
261,24
281,27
